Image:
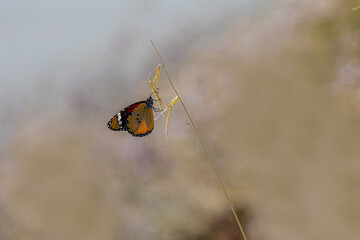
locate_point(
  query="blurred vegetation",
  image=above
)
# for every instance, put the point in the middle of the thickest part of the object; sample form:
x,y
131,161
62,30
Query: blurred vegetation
x,y
275,98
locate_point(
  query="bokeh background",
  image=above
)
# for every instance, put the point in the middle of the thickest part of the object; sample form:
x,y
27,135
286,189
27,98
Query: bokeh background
x,y
273,87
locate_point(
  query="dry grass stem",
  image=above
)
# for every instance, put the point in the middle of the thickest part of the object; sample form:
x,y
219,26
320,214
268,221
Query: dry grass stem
x,y
202,144
355,8
153,84
169,108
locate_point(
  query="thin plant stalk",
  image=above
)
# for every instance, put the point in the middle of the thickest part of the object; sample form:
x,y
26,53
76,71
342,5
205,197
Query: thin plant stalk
x,y
203,145
356,8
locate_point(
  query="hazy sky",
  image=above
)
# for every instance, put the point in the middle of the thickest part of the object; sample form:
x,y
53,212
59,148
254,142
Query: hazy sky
x,y
36,37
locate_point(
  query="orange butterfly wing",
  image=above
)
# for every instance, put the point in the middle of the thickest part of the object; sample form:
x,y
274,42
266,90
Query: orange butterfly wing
x,y
137,119
141,121
119,121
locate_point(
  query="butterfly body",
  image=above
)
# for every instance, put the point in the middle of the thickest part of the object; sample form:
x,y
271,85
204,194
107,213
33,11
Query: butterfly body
x,y
137,119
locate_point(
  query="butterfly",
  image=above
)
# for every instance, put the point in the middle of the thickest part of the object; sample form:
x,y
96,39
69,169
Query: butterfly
x,y
137,119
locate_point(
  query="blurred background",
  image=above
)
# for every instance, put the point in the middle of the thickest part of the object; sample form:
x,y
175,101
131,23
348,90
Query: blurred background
x,y
273,87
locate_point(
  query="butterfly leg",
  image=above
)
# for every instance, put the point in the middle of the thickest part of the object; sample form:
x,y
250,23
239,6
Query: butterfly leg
x,y
157,109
